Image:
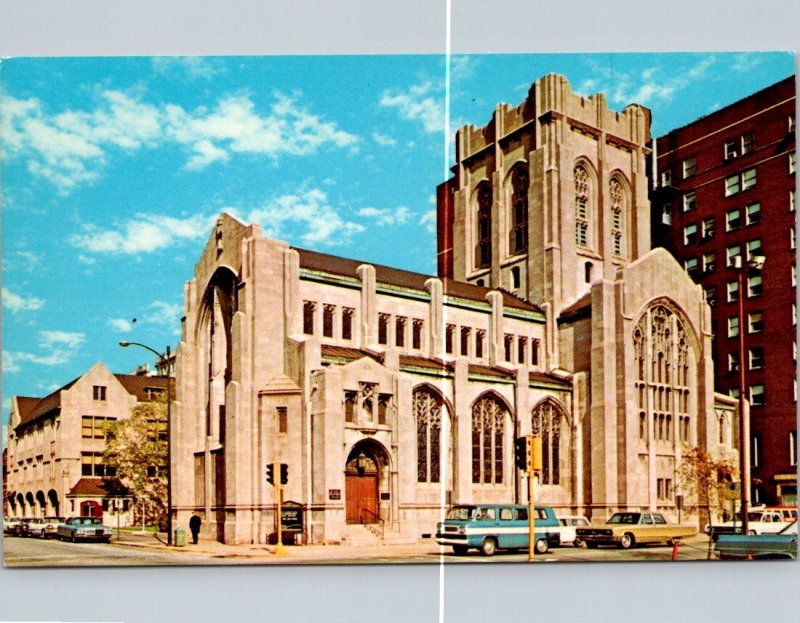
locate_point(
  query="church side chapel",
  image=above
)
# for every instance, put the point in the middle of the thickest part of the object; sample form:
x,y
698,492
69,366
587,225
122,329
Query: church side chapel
x,y
389,394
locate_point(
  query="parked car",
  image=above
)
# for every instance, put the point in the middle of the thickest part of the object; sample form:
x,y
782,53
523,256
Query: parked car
x,y
83,529
760,521
11,525
627,529
44,528
489,527
568,527
33,527
19,525
782,544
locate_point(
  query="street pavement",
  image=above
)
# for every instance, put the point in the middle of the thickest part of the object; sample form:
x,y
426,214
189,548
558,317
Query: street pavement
x,y
149,549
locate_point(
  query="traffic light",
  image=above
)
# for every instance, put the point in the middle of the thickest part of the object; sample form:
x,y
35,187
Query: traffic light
x,y
271,473
284,473
521,453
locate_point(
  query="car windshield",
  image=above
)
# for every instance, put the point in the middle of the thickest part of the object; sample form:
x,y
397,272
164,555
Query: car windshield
x,y
625,518
461,513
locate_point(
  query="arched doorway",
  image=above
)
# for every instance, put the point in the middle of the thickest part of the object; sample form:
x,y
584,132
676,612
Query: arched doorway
x,y
365,465
52,497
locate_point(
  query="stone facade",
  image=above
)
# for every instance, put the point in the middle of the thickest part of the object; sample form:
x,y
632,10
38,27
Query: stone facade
x,y
56,444
390,394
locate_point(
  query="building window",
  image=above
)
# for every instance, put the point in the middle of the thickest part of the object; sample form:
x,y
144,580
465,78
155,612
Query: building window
x,y
347,323
449,334
534,352
515,278
755,322
479,337
522,348
691,265
99,392
793,448
709,262
748,142
508,343
666,214
384,403
400,331
792,163
756,446
732,185
755,358
733,326
733,219
92,465
587,272
792,238
95,426
711,295
753,213
520,183
753,248
582,209
731,253
708,228
617,194
689,234
791,123
666,178
794,276
483,252
308,317
733,361
546,424
428,415
756,395
748,179
283,419
466,332
731,149
792,203
383,328
350,398
754,286
327,320
488,430
689,167
416,334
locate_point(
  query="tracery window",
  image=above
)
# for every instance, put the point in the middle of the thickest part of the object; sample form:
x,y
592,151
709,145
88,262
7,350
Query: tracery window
x,y
581,178
518,234
617,194
661,351
483,251
428,416
488,426
546,424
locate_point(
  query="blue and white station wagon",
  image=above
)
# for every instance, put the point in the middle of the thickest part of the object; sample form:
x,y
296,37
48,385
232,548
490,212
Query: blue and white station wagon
x,y
83,529
489,527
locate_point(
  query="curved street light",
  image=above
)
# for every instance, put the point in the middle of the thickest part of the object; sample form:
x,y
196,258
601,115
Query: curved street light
x,y
164,359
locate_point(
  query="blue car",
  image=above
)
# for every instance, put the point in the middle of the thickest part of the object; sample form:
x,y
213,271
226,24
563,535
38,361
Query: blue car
x,y
83,529
754,546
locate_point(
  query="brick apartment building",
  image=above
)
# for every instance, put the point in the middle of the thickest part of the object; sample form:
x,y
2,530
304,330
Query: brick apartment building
x,y
725,187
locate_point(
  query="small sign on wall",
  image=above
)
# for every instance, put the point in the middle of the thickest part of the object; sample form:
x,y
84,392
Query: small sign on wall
x,y
385,495
334,494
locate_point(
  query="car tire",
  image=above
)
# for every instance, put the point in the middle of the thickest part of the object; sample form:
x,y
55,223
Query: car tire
x,y
541,546
578,543
627,541
460,550
489,546
752,533
591,544
74,538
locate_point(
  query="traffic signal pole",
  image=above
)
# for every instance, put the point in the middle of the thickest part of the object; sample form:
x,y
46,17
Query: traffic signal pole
x,y
279,549
531,516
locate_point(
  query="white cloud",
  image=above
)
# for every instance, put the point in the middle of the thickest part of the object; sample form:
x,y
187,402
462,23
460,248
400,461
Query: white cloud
x,y
59,347
16,303
385,216
383,139
309,210
188,67
163,313
746,62
428,221
72,147
10,364
120,325
65,338
422,102
144,234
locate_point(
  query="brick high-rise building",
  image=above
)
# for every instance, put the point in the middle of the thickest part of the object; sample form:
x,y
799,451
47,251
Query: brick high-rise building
x,y
725,188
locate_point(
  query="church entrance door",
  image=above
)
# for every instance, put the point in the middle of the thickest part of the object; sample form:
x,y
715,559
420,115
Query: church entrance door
x,y
362,484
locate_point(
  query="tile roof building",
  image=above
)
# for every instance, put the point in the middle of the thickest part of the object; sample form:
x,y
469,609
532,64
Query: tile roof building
x,y
56,443
725,190
389,394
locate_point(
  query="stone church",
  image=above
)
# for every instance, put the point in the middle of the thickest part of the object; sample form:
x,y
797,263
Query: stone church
x,y
390,394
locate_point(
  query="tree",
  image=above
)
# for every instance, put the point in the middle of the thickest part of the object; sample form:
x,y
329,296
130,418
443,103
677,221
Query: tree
x,y
707,481
137,448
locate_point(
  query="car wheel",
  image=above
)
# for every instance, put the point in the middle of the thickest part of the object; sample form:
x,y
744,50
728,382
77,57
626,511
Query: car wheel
x,y
489,546
460,550
578,542
74,538
591,544
627,541
752,532
541,546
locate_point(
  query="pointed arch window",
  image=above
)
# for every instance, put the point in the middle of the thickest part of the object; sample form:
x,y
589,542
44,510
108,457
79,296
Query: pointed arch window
x,y
617,194
428,416
518,232
546,423
488,427
582,207
483,250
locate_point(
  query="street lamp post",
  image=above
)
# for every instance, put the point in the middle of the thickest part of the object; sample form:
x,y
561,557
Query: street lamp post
x,y
755,263
164,358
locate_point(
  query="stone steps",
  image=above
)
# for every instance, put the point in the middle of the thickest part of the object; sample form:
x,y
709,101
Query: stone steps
x,y
360,535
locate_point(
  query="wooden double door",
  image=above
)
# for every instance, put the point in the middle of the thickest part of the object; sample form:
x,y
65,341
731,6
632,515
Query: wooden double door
x,y
361,494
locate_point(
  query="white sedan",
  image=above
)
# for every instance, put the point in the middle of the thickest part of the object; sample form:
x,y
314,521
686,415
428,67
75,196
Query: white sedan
x,y
567,529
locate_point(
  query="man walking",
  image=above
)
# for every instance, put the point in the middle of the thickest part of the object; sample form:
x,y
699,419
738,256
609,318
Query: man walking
x,y
194,525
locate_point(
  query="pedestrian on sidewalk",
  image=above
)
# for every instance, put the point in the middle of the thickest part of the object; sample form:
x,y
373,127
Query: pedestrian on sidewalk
x,y
194,525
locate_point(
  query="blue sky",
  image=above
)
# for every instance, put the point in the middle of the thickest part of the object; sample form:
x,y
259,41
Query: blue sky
x,y
114,169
